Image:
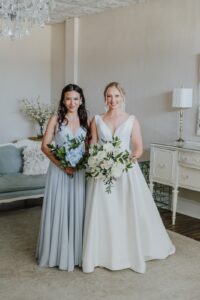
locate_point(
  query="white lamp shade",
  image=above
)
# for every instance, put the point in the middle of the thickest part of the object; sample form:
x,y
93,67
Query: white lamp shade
x,y
182,98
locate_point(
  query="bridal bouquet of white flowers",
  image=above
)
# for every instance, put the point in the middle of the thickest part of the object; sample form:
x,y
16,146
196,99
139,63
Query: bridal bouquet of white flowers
x,y
107,162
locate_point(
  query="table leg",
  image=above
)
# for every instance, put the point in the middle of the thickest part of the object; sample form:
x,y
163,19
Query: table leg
x,y
151,185
174,205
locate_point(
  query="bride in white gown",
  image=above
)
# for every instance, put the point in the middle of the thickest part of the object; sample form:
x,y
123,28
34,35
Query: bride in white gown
x,y
122,229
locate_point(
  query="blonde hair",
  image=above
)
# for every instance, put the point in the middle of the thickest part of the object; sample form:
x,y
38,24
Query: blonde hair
x,y
117,86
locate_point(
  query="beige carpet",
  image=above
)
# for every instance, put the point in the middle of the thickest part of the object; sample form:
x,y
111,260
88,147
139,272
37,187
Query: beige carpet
x,y
177,277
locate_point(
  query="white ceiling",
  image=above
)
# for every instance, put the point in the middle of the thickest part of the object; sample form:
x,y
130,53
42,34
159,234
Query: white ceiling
x,y
65,9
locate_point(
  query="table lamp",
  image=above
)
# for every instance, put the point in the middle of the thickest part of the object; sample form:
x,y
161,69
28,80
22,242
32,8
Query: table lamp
x,y
182,98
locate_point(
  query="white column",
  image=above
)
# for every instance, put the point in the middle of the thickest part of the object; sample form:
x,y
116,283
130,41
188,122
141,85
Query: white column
x,y
71,50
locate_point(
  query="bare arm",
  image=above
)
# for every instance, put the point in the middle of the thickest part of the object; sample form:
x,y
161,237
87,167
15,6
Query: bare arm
x,y
48,138
137,140
94,136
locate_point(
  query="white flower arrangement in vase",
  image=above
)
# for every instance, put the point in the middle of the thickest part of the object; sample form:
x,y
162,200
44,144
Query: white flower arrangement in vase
x,y
38,112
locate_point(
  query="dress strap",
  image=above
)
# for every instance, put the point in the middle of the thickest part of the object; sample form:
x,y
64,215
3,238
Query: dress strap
x,y
131,123
96,117
132,120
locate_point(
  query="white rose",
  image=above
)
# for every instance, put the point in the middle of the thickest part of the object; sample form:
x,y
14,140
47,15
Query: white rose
x,y
92,170
92,162
106,164
117,170
108,147
116,151
101,155
91,151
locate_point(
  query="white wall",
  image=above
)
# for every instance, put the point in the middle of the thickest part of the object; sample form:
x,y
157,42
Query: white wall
x,y
28,68
189,203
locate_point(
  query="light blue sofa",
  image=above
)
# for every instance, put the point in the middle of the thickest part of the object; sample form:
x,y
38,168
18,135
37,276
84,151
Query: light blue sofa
x,y
14,185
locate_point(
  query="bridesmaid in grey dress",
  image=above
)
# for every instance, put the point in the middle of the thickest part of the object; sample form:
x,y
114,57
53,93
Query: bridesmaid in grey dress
x,y
61,228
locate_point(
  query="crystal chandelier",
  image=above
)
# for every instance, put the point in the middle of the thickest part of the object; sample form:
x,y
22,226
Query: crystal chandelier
x,y
18,16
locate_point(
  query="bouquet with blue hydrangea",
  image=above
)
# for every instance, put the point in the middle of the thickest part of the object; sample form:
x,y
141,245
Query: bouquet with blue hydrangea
x,y
71,153
107,162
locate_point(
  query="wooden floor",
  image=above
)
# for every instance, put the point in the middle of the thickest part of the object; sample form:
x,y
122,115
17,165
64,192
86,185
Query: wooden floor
x,y
185,225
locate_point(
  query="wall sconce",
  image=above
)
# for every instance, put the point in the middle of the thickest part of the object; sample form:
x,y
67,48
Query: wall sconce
x,y
182,98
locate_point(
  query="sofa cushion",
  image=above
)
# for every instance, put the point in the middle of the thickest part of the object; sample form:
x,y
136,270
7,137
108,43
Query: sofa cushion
x,y
21,182
35,161
11,160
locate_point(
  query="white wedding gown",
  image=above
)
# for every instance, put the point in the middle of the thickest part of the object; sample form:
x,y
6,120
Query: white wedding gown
x,y
122,229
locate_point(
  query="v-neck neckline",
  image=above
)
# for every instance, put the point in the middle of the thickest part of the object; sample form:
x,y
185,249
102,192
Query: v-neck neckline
x,y
114,132
74,134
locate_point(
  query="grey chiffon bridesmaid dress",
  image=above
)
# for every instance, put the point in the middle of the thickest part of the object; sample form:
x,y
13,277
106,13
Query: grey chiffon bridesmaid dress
x,y
61,229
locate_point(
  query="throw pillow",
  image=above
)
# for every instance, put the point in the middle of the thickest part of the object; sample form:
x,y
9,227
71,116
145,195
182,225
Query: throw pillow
x,y
35,162
10,159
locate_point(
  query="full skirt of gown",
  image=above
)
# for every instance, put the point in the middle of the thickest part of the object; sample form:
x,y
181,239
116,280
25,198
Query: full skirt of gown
x,y
61,228
122,229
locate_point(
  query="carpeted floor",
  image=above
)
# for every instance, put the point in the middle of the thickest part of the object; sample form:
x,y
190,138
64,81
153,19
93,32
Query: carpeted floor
x,y
176,278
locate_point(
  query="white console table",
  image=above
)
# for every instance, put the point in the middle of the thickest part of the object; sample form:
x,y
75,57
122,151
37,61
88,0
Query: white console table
x,y
176,166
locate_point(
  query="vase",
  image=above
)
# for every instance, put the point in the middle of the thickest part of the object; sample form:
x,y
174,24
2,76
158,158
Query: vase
x,y
40,131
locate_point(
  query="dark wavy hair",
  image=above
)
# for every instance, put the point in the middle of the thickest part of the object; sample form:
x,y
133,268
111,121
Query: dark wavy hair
x,y
82,112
